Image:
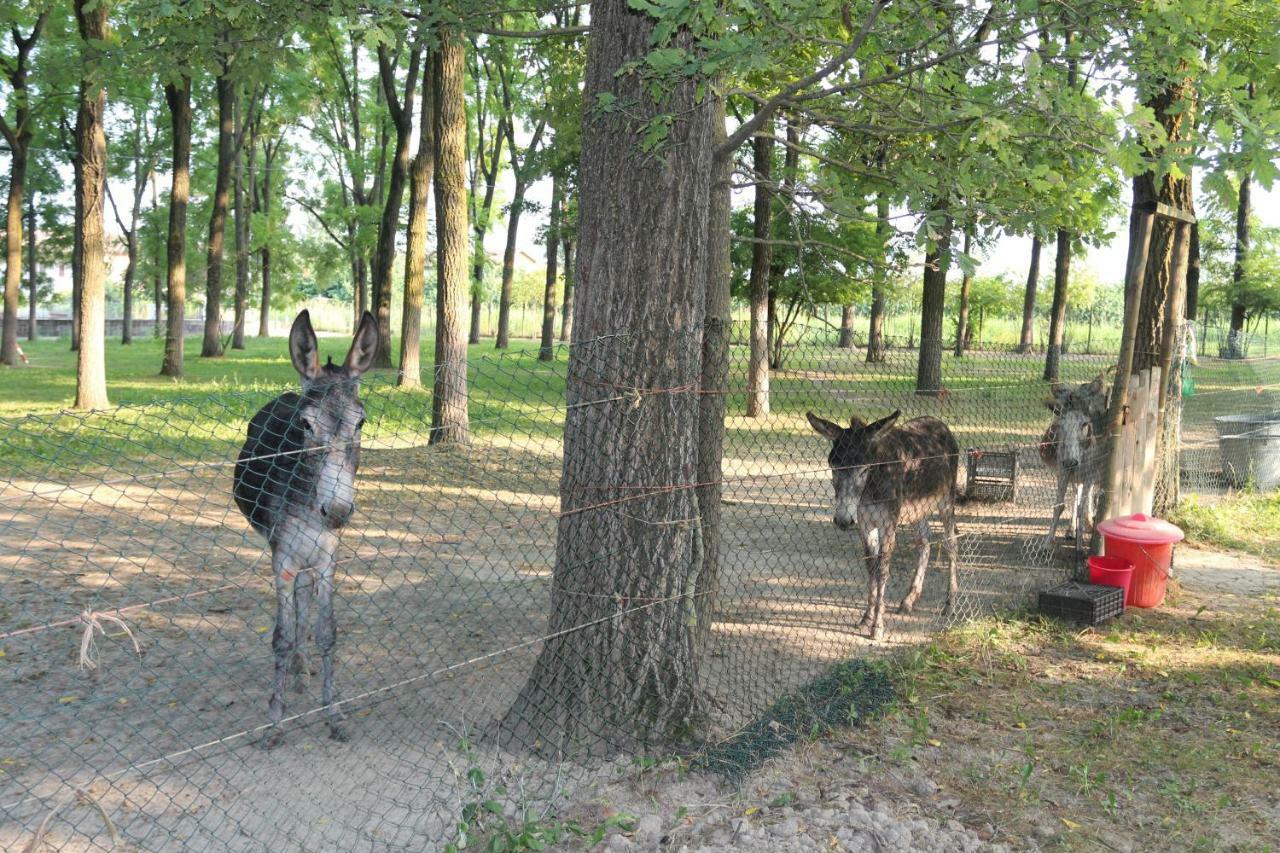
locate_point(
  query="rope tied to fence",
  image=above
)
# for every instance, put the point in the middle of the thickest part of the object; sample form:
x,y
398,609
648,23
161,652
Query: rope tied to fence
x,y
92,621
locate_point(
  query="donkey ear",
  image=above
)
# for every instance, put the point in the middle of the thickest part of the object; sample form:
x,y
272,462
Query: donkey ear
x,y
824,427
363,347
1096,386
303,348
884,423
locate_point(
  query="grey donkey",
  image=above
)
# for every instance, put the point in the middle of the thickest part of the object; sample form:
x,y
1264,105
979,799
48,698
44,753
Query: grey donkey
x,y
1072,446
885,476
295,483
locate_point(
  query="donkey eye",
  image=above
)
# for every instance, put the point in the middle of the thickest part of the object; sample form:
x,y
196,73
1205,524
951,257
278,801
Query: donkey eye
x,y
360,425
306,424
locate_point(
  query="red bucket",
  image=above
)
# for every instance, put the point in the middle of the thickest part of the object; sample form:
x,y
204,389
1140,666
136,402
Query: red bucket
x,y
1148,544
1112,571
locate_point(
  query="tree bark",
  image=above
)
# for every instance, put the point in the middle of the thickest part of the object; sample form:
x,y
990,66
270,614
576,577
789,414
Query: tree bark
x,y
846,327
384,258
1193,274
1244,209
33,277
450,422
929,367
875,329
520,169
546,352
242,235
966,283
91,149
761,261
77,244
487,168
178,97
130,274
211,347
415,261
1058,313
1027,339
566,309
621,663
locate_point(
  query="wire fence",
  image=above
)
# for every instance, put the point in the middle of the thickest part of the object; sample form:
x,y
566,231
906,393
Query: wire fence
x,y
138,609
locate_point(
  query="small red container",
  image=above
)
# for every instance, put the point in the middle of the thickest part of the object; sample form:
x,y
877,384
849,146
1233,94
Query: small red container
x,y
1112,571
1148,544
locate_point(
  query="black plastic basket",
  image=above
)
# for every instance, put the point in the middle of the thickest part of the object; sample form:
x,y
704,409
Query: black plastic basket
x,y
991,475
1089,603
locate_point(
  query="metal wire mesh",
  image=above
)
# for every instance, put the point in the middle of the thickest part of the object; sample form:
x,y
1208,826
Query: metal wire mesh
x,y
119,526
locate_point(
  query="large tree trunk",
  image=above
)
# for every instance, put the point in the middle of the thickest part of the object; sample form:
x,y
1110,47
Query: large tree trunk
x,y
242,239
761,261
1058,313
875,329
845,340
33,277
621,663
546,351
966,283
77,244
384,258
415,261
566,309
450,421
1193,274
157,264
91,150
13,249
1244,209
1027,339
130,273
509,267
179,101
264,308
715,375
933,301
211,347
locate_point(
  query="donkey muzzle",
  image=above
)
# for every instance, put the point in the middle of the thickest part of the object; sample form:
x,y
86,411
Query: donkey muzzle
x,y
336,514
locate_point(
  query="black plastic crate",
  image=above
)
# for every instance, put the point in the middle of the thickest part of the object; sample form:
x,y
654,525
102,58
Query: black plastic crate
x,y
991,475
1090,603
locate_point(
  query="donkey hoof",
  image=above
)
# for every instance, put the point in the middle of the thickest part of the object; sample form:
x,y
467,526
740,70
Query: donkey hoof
x,y
298,664
338,732
272,739
876,634
299,684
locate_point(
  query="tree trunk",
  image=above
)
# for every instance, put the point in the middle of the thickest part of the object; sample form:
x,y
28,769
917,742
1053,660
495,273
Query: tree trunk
x,y
1244,209
157,280
415,261
179,101
509,267
33,278
130,273
1193,274
875,329
546,352
933,301
715,375
242,239
264,308
77,243
966,283
488,169
450,422
621,663
362,287
13,247
566,309
761,261
91,151
1027,339
1058,313
846,327
384,258
211,347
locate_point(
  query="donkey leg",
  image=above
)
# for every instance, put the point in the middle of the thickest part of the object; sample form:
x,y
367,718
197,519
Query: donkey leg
x,y
283,640
303,592
326,639
870,547
922,564
883,560
1058,506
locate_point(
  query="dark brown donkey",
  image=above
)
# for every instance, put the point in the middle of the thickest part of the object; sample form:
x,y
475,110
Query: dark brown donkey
x,y
296,483
885,476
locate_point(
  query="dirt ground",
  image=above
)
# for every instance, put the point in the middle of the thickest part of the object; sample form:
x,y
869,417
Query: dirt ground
x,y
444,578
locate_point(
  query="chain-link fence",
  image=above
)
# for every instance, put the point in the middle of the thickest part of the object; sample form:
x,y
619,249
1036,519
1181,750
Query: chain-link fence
x,y
138,606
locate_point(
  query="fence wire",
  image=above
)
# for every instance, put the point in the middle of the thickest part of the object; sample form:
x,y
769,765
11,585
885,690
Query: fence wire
x,y
138,608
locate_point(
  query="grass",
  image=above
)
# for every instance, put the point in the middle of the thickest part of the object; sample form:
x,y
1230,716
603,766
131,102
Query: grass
x,y
1246,521
1158,731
